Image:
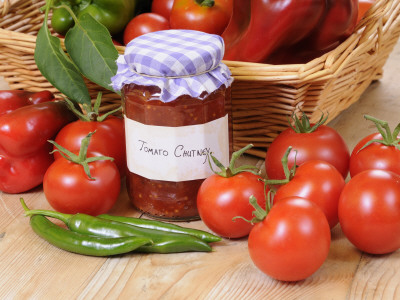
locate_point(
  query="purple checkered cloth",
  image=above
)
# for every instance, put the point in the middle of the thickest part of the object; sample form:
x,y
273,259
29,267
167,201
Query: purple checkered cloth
x,y
179,62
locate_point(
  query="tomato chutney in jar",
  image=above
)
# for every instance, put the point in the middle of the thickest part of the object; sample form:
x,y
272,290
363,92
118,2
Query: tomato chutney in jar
x,y
176,103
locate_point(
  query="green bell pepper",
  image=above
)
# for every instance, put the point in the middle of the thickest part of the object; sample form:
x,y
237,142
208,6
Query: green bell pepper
x,y
113,14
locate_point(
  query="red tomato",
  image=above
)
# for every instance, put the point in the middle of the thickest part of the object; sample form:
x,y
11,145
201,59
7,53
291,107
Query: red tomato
x,y
374,156
292,242
324,143
318,182
369,211
69,190
196,15
162,7
220,199
144,23
108,140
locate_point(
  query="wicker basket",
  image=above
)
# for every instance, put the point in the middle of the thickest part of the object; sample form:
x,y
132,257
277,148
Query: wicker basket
x,y
263,96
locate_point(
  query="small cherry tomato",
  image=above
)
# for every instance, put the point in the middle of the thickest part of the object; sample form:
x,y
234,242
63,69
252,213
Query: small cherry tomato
x,y
210,16
309,142
108,139
69,190
77,183
369,211
293,240
224,196
162,7
144,23
376,151
318,182
221,199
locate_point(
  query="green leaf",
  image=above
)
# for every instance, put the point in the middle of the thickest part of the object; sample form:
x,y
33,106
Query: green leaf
x,y
57,68
90,46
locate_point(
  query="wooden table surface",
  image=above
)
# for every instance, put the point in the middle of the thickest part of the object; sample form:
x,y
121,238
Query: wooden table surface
x,y
30,268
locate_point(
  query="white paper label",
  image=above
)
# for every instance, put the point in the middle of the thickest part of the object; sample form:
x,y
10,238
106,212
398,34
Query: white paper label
x,y
175,153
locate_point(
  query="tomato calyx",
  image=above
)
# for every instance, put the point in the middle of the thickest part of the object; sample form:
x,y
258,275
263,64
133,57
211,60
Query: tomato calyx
x,y
388,138
207,3
303,125
231,170
289,173
259,213
81,158
92,113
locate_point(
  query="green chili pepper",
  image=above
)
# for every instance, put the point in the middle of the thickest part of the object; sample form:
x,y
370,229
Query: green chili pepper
x,y
163,242
84,244
158,225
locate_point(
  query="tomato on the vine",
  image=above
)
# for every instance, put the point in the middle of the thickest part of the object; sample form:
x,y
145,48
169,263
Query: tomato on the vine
x,y
292,241
162,7
108,139
210,16
315,180
80,184
144,23
380,150
369,211
309,142
225,195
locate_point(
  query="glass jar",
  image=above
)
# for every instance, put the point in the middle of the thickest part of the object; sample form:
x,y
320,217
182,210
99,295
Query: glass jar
x,y
168,141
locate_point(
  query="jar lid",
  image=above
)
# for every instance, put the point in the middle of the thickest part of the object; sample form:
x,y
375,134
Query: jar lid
x,y
179,62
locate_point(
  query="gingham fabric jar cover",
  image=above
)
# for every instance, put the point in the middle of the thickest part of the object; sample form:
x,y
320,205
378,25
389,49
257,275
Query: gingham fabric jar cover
x,y
179,62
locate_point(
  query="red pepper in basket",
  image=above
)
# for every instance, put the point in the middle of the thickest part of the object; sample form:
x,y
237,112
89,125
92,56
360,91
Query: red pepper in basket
x,y
282,28
24,150
273,24
337,24
12,99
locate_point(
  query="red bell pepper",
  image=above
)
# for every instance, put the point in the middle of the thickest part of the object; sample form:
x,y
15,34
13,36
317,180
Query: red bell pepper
x,y
12,99
336,25
277,25
24,150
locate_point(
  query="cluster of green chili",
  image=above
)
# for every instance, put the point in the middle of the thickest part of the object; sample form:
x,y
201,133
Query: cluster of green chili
x,y
107,235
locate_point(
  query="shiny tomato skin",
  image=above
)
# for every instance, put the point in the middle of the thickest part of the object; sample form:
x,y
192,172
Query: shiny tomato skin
x,y
108,140
324,143
162,7
220,199
374,156
188,14
69,190
320,183
369,211
144,23
292,242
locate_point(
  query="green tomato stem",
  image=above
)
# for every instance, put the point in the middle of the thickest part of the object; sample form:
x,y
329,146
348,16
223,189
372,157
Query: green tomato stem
x,y
208,3
388,138
304,125
232,170
81,158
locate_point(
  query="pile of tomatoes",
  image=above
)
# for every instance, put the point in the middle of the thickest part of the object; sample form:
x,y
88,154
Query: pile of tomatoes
x,y
305,195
